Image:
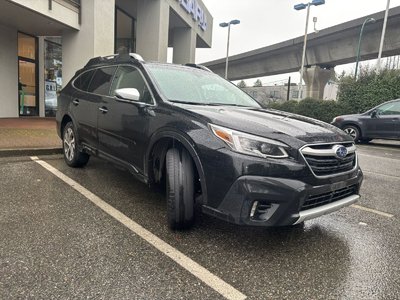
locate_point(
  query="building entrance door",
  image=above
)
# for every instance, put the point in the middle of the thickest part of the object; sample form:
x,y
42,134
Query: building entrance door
x,y
28,76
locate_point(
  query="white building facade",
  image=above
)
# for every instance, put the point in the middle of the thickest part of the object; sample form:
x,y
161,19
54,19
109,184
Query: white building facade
x,y
44,42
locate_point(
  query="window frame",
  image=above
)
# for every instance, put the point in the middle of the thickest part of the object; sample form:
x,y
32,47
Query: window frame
x,y
154,102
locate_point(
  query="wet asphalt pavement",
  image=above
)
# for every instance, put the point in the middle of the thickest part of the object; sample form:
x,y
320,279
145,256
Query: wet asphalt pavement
x,y
54,243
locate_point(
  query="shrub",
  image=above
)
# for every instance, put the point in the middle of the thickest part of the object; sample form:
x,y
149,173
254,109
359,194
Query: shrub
x,y
324,110
355,96
371,89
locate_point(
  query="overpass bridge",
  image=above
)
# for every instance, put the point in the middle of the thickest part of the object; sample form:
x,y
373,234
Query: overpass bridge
x,y
326,49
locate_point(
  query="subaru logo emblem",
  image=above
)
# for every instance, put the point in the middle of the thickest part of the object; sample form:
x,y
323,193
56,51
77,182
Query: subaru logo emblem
x,y
340,151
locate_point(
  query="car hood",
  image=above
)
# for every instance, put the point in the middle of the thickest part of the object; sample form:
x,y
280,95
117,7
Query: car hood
x,y
291,129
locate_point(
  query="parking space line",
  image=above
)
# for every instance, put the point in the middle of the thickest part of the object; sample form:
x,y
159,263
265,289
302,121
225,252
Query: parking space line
x,y
377,156
381,213
377,147
213,281
380,174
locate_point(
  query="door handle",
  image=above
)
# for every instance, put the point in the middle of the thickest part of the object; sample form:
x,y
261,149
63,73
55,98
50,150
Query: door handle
x,y
75,102
103,109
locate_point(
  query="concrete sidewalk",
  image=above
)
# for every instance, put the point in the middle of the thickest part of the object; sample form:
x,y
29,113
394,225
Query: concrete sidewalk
x,y
28,136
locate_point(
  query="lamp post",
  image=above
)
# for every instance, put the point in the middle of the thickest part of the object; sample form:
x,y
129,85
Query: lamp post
x,y
366,21
233,22
302,6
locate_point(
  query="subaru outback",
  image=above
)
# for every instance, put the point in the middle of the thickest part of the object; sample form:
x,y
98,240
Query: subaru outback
x,y
207,142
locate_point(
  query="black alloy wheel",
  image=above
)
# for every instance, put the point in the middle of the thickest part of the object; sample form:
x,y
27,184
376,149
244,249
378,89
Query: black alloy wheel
x,y
72,156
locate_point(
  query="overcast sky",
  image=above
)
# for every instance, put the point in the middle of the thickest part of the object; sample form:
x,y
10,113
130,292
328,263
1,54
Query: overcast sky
x,y
267,22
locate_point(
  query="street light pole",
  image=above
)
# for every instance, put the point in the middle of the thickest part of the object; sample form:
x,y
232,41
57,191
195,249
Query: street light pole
x,y
368,20
300,7
378,64
233,22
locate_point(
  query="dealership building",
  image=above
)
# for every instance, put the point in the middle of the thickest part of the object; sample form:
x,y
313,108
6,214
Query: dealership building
x,y
44,42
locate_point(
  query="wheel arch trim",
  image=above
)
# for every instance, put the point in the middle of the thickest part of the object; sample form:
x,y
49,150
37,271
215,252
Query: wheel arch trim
x,y
187,142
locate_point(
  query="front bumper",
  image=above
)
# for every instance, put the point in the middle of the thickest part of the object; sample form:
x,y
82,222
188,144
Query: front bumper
x,y
268,201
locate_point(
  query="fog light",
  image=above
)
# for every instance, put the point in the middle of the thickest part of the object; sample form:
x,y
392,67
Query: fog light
x,y
253,209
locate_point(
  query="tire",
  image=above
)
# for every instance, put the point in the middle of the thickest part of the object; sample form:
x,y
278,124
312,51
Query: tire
x,y
72,156
179,189
353,131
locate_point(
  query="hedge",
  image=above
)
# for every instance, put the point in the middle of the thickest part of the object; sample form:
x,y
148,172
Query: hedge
x,y
324,110
371,89
355,96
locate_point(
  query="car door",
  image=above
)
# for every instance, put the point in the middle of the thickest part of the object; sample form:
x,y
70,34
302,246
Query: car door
x,y
384,121
84,109
88,105
123,128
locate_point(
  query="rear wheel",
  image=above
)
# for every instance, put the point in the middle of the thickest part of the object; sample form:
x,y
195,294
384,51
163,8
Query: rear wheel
x,y
72,156
353,131
179,189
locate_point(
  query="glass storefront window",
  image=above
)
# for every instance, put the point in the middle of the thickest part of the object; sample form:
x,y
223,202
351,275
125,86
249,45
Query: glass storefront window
x,y
27,72
53,74
124,32
26,46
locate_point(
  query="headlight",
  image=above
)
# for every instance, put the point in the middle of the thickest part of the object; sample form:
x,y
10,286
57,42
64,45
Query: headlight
x,y
250,144
337,119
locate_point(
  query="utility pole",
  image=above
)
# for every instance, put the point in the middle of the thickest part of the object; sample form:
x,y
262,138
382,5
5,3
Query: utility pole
x,y
378,64
288,90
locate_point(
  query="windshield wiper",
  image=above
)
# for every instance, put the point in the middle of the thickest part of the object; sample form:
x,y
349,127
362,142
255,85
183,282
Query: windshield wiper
x,y
187,102
208,104
227,104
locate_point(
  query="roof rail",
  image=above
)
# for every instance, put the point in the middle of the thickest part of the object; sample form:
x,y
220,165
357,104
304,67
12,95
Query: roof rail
x,y
198,67
136,56
100,59
103,59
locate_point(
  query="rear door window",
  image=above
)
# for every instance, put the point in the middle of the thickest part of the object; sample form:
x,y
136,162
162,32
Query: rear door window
x,y
101,81
82,82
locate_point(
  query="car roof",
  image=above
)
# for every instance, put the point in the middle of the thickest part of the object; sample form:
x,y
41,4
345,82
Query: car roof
x,y
132,58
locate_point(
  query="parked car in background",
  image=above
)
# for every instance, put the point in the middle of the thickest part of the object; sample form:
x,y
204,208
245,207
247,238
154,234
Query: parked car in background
x,y
207,142
380,122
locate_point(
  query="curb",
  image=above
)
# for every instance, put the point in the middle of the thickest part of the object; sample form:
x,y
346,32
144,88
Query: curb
x,y
29,152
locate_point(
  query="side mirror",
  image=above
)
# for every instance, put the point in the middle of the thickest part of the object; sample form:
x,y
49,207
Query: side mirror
x,y
129,94
374,113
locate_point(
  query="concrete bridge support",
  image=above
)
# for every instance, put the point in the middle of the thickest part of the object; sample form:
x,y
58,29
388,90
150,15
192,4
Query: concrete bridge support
x,y
316,79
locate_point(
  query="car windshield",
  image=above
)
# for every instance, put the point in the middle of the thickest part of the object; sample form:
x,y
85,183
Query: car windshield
x,y
198,87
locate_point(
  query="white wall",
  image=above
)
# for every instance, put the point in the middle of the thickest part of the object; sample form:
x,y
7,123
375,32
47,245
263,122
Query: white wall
x,y
8,73
95,38
59,12
152,29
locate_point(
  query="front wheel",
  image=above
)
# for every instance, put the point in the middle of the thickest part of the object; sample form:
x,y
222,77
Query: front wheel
x,y
353,131
72,156
179,189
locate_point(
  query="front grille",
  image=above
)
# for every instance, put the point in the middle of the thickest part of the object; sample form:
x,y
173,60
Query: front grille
x,y
322,165
323,161
326,198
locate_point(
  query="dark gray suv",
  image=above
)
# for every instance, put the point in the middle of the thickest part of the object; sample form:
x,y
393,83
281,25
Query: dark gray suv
x,y
380,122
207,142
